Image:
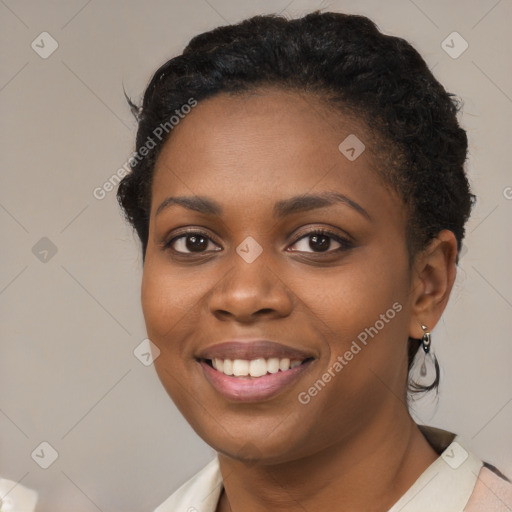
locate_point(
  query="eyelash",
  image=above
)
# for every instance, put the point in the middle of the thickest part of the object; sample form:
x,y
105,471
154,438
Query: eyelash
x,y
344,242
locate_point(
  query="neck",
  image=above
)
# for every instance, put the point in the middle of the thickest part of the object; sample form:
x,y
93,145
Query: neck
x,y
369,471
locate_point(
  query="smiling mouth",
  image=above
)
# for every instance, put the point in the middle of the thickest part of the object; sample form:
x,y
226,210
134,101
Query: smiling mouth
x,y
254,368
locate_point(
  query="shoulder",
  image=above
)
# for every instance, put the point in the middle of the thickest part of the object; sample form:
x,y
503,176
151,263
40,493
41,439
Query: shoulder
x,y
492,492
199,494
475,486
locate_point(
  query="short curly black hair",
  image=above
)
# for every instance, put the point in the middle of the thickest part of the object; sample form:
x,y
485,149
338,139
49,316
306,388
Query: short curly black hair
x,y
347,62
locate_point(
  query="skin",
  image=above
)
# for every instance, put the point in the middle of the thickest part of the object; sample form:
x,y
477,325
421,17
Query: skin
x,y
354,442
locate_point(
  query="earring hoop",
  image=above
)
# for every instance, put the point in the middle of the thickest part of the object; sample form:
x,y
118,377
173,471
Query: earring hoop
x,y
425,340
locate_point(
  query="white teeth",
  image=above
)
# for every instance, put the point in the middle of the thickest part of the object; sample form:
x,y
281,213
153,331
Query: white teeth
x,y
254,367
228,367
284,364
273,365
257,367
240,367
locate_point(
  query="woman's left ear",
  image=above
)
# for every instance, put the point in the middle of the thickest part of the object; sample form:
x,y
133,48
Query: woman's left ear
x,y
433,277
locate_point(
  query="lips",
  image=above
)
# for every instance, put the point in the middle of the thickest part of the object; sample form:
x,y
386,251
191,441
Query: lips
x,y
252,370
258,349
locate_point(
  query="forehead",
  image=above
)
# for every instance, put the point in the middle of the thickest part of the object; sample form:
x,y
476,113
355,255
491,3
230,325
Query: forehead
x,y
265,144
262,122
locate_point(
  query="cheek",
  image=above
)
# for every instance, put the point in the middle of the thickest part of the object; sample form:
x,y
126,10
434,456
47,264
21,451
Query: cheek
x,y
165,316
365,306
156,300
353,297
168,317
167,298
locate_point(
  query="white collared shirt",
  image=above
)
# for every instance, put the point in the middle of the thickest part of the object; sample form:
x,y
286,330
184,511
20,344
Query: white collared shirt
x,y
447,485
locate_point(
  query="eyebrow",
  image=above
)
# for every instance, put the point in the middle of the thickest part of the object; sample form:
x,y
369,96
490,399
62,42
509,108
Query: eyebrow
x,y
283,208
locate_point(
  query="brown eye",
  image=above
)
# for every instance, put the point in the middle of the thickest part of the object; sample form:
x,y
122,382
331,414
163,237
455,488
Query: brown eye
x,y
190,242
319,241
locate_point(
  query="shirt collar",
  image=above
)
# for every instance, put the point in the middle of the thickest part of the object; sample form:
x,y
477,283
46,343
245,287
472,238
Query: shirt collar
x,y
446,484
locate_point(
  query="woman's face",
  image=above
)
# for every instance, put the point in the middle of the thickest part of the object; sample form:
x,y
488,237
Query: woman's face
x,y
338,301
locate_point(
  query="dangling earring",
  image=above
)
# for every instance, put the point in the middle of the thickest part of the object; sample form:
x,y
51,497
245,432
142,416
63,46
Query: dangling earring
x,y
425,343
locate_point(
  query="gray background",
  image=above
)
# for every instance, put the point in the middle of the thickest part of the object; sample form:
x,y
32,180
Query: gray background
x,y
70,323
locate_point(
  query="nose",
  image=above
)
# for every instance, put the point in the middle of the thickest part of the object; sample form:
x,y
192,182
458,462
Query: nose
x,y
249,291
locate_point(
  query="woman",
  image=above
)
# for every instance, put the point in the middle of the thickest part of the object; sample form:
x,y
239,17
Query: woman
x,y
299,192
